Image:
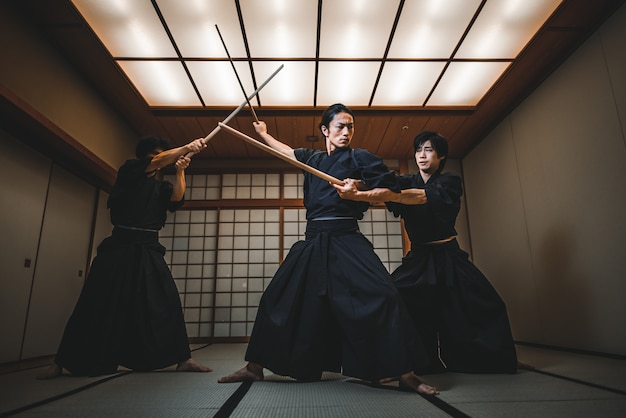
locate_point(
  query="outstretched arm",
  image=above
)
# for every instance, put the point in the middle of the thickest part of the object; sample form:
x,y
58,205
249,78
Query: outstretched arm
x,y
170,156
355,190
261,129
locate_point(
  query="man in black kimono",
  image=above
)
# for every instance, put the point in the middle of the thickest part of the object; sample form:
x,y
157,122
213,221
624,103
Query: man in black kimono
x,y
331,305
129,310
456,311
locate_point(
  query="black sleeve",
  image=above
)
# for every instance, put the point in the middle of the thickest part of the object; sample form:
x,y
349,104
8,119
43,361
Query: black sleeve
x,y
133,169
445,192
303,154
174,206
374,172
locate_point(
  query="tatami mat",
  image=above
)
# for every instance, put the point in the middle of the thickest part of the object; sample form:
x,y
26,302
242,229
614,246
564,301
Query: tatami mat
x,y
564,385
516,395
602,371
20,388
333,398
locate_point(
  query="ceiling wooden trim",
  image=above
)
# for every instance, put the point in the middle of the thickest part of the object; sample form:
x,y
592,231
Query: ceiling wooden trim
x,y
28,125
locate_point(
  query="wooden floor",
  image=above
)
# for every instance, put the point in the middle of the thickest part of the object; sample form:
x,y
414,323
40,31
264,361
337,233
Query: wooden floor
x,y
563,385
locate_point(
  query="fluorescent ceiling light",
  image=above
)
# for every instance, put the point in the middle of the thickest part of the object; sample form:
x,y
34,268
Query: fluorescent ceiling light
x,y
365,52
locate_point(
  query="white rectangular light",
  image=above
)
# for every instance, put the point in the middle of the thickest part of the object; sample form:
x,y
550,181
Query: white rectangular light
x,y
161,83
192,23
347,82
127,28
465,83
218,83
504,27
353,38
431,28
292,86
356,28
280,28
406,83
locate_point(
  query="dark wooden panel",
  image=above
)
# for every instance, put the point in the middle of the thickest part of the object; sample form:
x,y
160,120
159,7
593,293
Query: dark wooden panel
x,y
370,132
448,126
400,133
245,125
231,146
207,124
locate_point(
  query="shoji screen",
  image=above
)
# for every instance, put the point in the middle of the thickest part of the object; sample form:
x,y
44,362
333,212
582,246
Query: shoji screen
x,y
385,232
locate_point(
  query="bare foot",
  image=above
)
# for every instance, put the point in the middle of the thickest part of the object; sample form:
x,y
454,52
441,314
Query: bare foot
x,y
50,373
190,365
251,373
411,382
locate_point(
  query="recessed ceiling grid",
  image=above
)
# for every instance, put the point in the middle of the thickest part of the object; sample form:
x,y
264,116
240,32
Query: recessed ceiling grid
x,y
366,53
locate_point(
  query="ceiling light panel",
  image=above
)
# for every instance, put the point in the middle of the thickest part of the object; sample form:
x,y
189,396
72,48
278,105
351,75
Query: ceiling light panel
x,y
161,83
356,28
353,37
218,83
504,27
293,86
127,28
406,83
192,24
280,28
347,82
465,83
431,28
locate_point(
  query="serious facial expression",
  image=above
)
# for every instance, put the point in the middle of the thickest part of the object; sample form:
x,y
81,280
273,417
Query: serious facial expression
x,y
427,159
339,132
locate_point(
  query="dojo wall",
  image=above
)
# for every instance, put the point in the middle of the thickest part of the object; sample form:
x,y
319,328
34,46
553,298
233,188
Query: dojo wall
x,y
546,199
45,224
47,213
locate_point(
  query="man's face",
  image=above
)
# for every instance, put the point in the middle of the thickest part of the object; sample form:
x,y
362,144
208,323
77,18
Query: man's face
x,y
339,132
427,159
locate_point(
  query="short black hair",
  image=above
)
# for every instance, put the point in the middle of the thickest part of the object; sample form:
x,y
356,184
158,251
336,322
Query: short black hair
x,y
438,142
147,144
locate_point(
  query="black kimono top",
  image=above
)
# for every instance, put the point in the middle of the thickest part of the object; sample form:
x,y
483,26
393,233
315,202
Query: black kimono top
x,y
140,201
322,200
435,219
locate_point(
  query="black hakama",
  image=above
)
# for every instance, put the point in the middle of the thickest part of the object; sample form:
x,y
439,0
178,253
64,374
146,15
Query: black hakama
x,y
454,305
331,305
458,314
129,311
